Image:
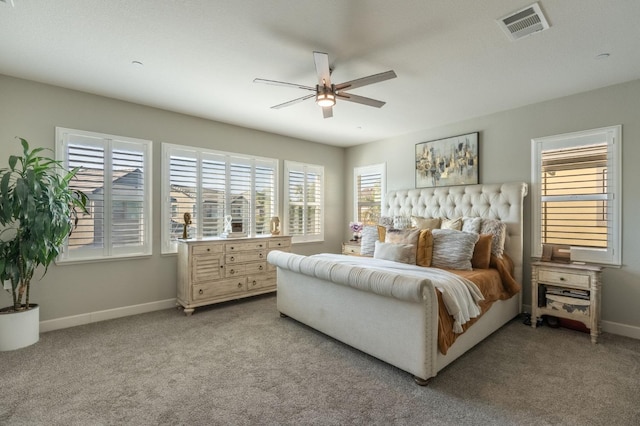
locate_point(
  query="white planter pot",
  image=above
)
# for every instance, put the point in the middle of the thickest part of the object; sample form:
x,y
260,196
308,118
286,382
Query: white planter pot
x,y
19,329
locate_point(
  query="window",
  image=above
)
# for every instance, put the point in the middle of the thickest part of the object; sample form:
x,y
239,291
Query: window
x,y
304,202
115,174
211,185
369,188
577,194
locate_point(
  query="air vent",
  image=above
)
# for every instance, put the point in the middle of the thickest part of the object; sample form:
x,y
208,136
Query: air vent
x,y
524,22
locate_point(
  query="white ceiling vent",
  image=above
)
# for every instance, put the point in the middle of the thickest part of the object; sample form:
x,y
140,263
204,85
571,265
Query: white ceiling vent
x,y
524,22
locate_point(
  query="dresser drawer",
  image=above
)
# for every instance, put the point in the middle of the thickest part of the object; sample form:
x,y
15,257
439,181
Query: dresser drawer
x,y
206,249
219,288
246,246
262,282
245,257
563,278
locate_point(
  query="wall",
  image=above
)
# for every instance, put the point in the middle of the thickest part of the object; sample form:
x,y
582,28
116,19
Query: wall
x,y
33,110
505,156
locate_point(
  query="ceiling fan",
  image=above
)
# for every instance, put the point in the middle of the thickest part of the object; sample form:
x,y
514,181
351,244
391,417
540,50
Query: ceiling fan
x,y
327,93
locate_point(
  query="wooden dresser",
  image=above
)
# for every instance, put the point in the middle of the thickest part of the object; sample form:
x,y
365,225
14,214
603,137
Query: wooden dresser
x,y
217,269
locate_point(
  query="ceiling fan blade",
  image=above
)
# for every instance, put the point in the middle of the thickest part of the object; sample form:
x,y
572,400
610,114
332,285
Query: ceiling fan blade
x,y
360,99
364,81
293,102
282,83
322,68
327,112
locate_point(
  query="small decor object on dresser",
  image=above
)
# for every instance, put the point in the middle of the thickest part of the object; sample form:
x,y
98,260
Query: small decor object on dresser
x,y
187,222
275,225
447,162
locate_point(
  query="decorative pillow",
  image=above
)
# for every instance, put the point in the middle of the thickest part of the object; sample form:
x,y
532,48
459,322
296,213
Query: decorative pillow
x,y
499,231
471,224
482,252
453,249
386,221
451,224
401,222
425,222
403,236
382,232
424,252
404,253
367,242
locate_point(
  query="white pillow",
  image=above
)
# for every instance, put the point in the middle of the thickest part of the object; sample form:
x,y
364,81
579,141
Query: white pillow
x,y
451,224
471,224
403,253
499,231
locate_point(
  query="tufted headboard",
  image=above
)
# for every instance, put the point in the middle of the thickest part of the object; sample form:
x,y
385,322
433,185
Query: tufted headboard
x,y
493,201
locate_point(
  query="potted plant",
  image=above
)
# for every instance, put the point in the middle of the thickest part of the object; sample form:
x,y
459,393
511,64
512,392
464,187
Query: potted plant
x,y
38,210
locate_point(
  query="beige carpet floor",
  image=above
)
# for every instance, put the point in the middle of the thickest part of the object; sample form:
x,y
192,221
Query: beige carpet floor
x,y
239,363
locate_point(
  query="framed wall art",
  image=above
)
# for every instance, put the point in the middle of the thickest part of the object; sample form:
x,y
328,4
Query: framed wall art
x,y
447,162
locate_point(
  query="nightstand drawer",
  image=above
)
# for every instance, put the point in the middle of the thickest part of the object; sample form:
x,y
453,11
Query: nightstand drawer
x,y
351,249
563,278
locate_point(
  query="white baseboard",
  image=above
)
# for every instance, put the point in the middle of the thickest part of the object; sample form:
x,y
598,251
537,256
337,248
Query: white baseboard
x,y
74,320
609,327
621,329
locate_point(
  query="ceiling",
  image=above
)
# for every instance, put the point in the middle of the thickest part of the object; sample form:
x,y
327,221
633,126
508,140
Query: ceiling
x,y
200,57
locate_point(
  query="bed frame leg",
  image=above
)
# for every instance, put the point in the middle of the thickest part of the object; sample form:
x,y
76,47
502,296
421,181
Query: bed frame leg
x,y
420,381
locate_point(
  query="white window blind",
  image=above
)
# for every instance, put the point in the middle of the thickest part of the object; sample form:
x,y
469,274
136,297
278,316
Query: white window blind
x,y
304,201
115,175
369,182
210,185
577,185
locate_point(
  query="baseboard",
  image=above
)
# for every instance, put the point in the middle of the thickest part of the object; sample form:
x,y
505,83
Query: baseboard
x,y
609,327
125,311
620,329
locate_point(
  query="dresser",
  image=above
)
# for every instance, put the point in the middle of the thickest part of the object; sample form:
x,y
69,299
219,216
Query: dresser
x,y
215,270
351,248
570,291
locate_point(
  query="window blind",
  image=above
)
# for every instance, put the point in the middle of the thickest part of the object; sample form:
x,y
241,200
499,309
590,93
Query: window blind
x,y
211,185
305,201
114,174
368,193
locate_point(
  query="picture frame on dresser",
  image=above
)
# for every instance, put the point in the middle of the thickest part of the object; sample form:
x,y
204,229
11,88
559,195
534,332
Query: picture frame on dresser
x,y
448,162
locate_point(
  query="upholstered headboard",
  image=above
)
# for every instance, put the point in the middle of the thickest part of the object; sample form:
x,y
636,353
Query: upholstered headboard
x,y
494,201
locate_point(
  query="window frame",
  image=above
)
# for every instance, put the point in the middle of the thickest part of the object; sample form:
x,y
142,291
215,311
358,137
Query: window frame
x,y
380,169
110,143
612,135
230,159
305,168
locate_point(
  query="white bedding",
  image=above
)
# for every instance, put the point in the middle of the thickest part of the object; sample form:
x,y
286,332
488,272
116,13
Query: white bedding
x,y
459,295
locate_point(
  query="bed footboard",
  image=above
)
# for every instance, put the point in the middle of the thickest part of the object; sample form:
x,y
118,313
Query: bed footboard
x,y
393,321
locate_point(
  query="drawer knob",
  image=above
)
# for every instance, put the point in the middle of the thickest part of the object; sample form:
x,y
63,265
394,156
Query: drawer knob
x,y
260,256
254,282
201,291
260,245
233,258
221,266
561,278
239,285
279,244
260,268
232,272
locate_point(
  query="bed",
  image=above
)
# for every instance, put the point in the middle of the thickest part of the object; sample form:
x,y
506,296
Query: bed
x,y
392,314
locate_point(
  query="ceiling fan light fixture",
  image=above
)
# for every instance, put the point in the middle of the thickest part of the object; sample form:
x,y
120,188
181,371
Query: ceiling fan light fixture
x,y
325,96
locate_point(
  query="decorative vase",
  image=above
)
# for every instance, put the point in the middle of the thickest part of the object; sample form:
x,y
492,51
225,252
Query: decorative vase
x,y
19,329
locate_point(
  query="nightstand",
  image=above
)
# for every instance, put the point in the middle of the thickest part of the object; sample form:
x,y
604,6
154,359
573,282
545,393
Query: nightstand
x,y
570,291
351,248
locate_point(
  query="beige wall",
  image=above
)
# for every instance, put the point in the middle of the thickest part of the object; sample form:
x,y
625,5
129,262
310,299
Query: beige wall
x,y
32,111
505,155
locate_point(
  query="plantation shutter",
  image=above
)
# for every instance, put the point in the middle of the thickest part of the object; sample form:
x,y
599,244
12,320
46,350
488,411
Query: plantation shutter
x,y
211,185
305,201
114,174
575,196
368,186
